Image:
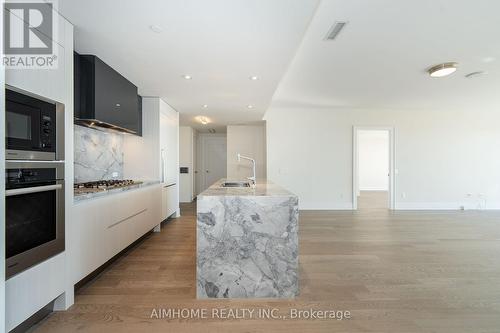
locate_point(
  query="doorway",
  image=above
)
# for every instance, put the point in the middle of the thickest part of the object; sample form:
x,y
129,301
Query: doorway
x,y
212,157
373,168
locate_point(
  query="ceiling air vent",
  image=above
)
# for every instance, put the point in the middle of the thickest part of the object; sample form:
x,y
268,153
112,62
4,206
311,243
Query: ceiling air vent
x,y
335,30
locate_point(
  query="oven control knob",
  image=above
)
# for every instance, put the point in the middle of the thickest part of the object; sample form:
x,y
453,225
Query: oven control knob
x,y
46,130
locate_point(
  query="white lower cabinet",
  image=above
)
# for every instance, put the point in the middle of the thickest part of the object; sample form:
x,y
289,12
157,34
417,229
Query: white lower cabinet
x,y
172,199
164,202
105,226
169,200
31,290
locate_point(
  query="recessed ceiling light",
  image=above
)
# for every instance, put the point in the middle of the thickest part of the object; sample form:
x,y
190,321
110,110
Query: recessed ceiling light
x,y
442,70
205,106
187,77
254,78
250,106
156,28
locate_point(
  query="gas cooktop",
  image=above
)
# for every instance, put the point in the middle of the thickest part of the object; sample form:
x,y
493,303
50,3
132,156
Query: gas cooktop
x,y
103,185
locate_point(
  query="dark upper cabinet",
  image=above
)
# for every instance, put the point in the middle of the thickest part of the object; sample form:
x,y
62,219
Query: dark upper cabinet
x,y
104,98
139,102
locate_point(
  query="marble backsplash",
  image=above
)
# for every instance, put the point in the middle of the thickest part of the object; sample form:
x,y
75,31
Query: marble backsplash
x,y
98,155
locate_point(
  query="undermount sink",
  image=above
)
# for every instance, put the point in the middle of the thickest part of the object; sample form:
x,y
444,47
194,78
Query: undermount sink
x,y
235,184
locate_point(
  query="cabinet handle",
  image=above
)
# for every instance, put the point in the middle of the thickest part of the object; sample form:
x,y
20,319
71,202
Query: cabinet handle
x,y
35,189
127,218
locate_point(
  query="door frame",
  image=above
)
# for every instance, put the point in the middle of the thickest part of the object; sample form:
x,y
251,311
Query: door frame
x,y
355,163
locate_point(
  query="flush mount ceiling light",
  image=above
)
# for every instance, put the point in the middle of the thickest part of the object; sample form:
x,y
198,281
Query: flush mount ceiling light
x,y
254,78
205,106
187,77
156,28
443,70
203,120
250,106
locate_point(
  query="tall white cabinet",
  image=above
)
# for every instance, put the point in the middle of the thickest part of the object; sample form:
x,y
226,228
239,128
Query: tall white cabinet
x,y
34,288
155,155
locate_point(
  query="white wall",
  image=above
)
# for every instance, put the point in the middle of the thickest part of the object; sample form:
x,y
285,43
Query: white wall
x,y
373,150
441,156
186,159
249,141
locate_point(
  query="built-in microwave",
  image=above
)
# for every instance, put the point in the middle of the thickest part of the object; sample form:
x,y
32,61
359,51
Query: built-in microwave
x,y
34,128
34,213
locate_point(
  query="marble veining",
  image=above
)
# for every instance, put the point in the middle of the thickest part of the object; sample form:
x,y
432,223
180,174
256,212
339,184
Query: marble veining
x,y
247,242
97,155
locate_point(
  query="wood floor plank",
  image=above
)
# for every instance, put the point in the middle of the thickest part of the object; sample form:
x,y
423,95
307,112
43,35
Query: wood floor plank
x,y
394,271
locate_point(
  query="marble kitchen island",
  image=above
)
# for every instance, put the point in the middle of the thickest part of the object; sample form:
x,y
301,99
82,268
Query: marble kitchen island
x,y
247,242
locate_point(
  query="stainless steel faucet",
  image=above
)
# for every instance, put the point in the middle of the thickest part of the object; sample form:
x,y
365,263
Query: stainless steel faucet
x,y
252,179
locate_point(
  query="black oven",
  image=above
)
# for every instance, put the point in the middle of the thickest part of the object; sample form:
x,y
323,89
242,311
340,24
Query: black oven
x,y
34,216
32,128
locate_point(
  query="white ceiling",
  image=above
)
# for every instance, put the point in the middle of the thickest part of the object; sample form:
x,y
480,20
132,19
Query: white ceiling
x,y
220,43
380,58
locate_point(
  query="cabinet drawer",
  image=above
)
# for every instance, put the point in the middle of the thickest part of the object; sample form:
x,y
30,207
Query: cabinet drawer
x,y
104,227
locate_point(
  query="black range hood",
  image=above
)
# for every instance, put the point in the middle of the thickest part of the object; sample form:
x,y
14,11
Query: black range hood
x,y
102,126
104,99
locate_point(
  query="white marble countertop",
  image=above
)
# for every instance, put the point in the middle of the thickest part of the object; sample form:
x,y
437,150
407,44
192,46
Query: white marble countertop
x,y
89,196
264,188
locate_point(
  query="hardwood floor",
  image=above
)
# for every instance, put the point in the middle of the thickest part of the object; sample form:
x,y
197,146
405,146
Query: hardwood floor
x,y
394,272
373,200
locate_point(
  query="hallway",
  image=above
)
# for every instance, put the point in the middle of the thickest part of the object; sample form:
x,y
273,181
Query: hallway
x,y
373,200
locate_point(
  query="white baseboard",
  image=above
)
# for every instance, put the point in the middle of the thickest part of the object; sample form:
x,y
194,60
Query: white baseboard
x,y
443,206
403,206
427,206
